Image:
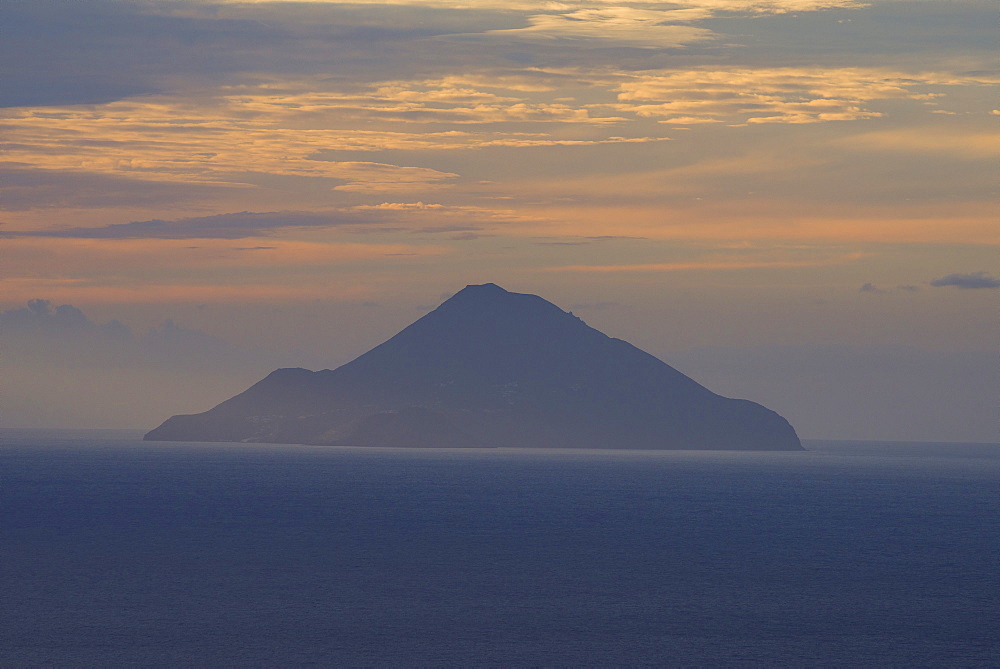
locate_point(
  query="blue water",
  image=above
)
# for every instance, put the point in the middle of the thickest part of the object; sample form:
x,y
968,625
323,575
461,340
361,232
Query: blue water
x,y
115,552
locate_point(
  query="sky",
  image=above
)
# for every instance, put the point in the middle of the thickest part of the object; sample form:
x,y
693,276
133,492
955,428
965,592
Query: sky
x,y
792,201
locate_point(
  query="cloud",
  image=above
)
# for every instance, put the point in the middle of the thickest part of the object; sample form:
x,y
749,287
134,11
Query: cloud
x,y
241,225
65,336
619,25
296,126
156,45
39,320
973,281
872,288
284,114
178,140
793,95
220,226
289,129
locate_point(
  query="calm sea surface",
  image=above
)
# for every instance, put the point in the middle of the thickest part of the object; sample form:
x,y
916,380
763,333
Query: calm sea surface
x,y
115,552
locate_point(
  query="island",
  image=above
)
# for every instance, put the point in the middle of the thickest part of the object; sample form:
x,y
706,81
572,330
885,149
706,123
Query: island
x,y
491,368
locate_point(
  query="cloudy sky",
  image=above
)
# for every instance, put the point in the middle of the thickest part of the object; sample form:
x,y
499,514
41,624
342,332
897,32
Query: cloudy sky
x,y
790,200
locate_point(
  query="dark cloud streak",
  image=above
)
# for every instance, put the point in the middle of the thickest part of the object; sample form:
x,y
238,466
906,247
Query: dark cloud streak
x,y
245,224
976,280
221,226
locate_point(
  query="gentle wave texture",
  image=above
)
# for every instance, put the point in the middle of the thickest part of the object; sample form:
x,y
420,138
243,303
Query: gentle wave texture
x,y
115,552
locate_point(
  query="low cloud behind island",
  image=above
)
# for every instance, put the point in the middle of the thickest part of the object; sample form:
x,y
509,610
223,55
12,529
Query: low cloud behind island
x,y
796,197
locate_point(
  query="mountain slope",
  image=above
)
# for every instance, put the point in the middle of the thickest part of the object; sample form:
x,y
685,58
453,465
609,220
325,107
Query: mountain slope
x,y
491,368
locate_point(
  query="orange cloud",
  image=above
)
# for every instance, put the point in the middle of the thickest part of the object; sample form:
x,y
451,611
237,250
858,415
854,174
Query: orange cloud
x,y
284,127
775,95
619,24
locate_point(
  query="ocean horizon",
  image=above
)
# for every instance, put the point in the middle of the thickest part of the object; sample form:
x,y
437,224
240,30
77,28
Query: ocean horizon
x,y
119,552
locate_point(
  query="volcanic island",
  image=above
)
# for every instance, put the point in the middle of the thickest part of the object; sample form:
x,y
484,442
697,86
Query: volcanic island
x,y
491,368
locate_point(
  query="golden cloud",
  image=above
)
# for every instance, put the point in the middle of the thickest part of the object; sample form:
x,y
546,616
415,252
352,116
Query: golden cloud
x,y
620,24
168,140
292,127
222,138
774,95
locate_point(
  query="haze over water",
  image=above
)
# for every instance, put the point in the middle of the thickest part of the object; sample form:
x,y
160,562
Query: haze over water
x,y
117,552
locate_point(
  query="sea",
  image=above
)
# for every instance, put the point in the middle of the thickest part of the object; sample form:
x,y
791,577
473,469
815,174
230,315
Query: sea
x,y
116,552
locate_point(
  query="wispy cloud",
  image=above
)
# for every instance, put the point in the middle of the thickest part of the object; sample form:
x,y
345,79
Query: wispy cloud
x,y
219,226
619,25
774,95
171,140
240,225
304,128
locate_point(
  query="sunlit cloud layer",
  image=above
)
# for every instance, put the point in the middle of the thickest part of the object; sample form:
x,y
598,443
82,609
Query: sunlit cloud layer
x,y
258,129
778,95
620,25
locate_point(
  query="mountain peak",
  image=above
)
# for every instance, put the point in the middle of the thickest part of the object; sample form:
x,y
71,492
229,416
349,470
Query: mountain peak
x,y
487,311
483,288
479,292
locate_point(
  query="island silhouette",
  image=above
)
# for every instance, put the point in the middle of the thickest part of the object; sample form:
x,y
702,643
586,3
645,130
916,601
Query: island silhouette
x,y
491,368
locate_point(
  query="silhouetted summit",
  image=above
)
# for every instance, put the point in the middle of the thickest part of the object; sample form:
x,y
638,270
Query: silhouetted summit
x,y
491,368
